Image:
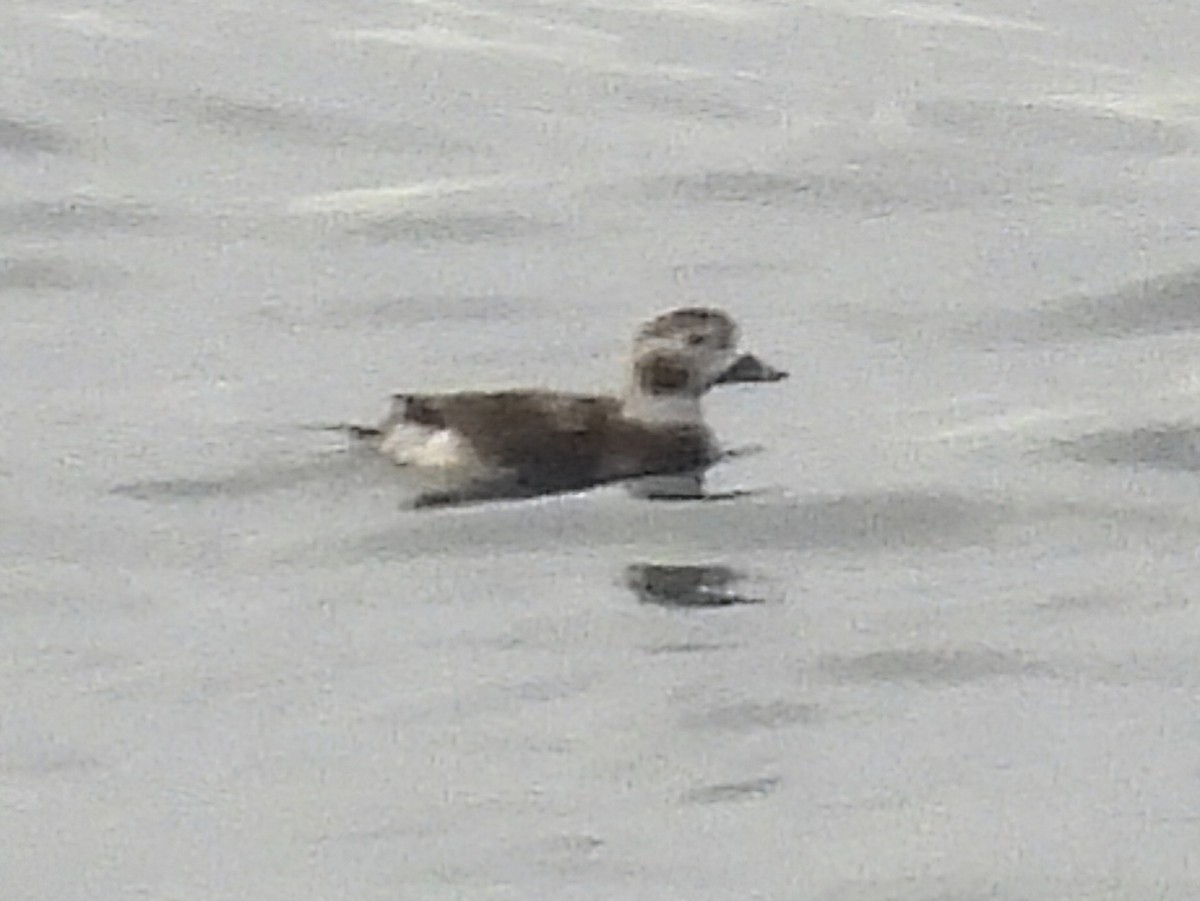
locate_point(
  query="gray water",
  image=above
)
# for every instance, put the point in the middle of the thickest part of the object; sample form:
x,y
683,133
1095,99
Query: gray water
x,y
945,649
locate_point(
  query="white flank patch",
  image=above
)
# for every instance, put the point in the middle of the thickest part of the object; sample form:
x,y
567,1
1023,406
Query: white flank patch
x,y
418,446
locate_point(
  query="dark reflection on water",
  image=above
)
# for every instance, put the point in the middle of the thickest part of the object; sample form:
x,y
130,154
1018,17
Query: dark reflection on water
x,y
233,486
333,469
746,716
690,647
459,229
30,138
684,101
749,790
686,586
303,124
955,666
76,215
873,185
729,187
48,273
1163,305
1171,447
1046,124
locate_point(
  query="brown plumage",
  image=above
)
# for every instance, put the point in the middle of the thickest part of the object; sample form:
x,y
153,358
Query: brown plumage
x,y
520,443
525,443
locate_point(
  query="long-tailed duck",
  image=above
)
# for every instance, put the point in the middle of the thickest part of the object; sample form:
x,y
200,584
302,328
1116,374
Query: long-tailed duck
x,y
485,445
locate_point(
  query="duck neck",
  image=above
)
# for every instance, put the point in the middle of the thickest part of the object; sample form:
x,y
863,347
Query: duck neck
x,y
663,408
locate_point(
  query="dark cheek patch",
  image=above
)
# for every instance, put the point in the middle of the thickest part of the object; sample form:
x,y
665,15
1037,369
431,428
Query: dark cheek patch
x,y
664,377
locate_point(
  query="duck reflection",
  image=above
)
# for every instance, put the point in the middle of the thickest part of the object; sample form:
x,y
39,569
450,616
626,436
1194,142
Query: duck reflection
x,y
705,585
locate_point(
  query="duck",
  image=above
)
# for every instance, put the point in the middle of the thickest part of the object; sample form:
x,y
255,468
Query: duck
x,y
476,446
495,445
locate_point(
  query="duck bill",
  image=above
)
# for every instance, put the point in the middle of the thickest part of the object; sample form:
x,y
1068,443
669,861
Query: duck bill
x,y
749,368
